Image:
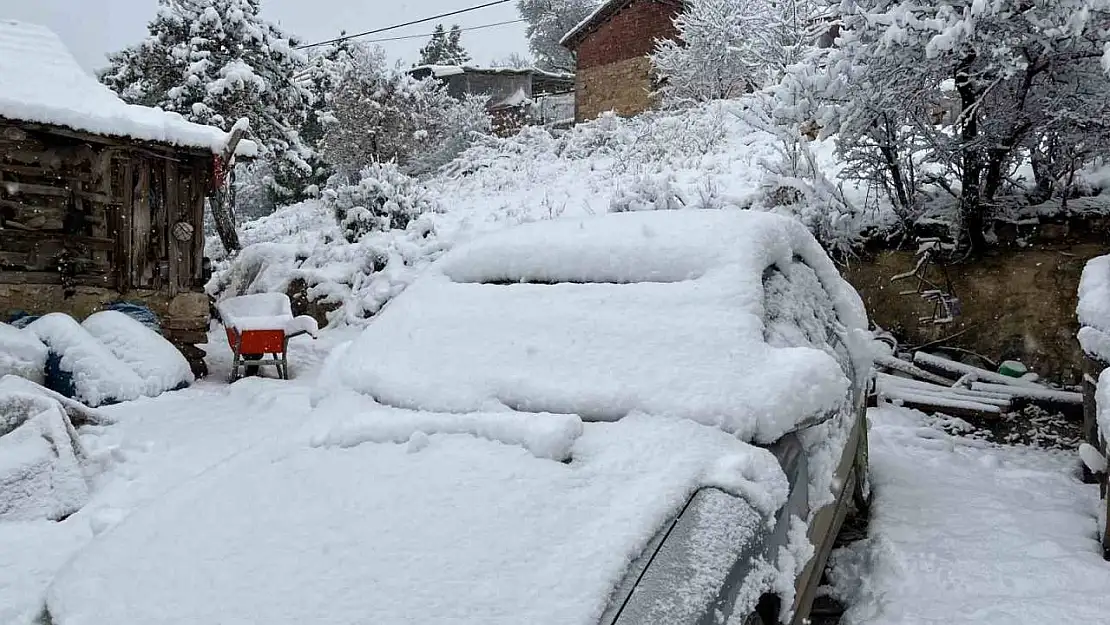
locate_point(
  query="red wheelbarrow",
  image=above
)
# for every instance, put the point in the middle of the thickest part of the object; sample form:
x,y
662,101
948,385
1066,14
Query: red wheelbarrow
x,y
261,325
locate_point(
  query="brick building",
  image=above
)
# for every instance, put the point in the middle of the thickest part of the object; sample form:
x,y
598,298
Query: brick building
x,y
614,72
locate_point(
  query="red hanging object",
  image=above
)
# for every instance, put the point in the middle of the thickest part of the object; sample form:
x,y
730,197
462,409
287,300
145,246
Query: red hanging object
x,y
219,172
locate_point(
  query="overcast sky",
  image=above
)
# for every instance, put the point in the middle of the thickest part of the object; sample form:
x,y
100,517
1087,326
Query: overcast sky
x,y
92,28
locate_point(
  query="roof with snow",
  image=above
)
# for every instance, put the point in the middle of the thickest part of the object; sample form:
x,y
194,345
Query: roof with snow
x,y
443,71
600,15
41,82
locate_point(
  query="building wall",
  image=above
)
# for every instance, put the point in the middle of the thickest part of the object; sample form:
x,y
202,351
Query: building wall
x,y
623,87
614,72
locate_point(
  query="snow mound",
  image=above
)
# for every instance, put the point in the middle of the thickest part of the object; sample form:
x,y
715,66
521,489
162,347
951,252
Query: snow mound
x,y
463,530
544,435
79,414
40,81
708,157
40,459
656,312
154,359
1094,307
86,369
264,311
21,353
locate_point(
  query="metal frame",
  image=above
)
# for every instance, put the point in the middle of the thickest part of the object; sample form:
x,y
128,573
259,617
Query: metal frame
x,y
280,361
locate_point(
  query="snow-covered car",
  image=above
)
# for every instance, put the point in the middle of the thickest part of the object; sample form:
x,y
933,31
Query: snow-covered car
x,y
635,418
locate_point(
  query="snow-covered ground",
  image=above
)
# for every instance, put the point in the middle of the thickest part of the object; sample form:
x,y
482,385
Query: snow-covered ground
x,y
962,530
157,445
965,531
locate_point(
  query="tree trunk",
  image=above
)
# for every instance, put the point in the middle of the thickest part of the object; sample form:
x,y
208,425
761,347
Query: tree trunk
x,y
222,200
1041,159
971,205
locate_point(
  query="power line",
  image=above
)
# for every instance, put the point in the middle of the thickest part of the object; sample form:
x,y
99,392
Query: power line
x,y
396,26
430,34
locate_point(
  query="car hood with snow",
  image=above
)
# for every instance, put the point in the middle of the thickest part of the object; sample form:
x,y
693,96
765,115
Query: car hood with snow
x,y
660,312
471,519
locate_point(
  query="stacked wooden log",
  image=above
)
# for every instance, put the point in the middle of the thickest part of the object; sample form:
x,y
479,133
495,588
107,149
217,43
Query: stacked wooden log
x,y
935,384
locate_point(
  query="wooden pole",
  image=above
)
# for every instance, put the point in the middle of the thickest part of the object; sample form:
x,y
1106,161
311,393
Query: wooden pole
x,y
223,212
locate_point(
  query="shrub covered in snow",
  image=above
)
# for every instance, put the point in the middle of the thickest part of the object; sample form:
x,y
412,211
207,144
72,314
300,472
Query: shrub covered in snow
x,y
384,198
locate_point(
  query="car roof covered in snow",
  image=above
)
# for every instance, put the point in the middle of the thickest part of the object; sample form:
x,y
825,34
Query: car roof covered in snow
x,y
41,82
389,516
659,312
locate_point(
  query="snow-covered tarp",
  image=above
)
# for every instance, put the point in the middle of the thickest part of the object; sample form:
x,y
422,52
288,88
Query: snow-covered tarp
x,y
1094,308
660,312
264,311
97,377
21,353
40,81
41,476
155,360
443,528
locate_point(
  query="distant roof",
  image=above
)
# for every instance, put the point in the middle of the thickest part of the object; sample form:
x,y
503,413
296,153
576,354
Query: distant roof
x,y
603,12
443,71
41,82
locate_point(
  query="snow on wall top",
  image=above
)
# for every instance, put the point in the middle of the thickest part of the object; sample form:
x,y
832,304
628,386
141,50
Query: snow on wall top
x,y
1094,307
41,82
659,312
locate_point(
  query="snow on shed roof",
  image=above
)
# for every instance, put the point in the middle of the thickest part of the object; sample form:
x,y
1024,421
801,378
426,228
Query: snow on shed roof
x,y
41,82
443,71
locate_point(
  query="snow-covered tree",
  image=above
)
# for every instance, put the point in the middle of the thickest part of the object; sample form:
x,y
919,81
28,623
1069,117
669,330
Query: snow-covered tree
x,y
728,47
1019,76
382,115
215,61
444,48
548,21
382,198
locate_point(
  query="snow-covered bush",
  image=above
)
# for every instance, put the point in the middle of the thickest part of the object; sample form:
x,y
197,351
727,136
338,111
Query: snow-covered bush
x,y
384,198
1027,80
647,193
382,115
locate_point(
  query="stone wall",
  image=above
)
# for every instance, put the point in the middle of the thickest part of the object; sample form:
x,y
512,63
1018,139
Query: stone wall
x,y
623,87
1017,303
614,73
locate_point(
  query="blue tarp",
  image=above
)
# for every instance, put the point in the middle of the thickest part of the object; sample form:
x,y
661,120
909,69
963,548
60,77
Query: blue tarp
x,y
138,312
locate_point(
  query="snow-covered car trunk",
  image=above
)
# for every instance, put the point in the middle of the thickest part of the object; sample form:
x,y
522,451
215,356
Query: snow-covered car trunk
x,y
561,424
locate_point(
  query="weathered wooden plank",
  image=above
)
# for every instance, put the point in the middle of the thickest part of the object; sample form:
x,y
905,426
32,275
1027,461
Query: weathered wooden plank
x,y
174,255
52,277
126,258
200,189
27,188
44,171
159,216
142,269
22,239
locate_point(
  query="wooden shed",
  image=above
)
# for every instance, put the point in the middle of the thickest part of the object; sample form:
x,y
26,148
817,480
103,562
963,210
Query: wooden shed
x,y
100,201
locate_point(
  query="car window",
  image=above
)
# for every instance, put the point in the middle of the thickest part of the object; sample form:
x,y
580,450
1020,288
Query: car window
x,y
798,312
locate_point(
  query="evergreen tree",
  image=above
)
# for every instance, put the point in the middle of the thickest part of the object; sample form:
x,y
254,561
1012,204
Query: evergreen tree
x,y
444,48
548,21
215,61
